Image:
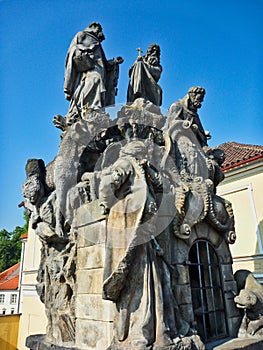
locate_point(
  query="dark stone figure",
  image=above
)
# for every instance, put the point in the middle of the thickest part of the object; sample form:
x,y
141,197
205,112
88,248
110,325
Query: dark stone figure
x,y
90,79
144,76
186,109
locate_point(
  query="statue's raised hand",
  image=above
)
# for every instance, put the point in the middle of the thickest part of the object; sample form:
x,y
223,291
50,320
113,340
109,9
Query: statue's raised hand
x,y
119,60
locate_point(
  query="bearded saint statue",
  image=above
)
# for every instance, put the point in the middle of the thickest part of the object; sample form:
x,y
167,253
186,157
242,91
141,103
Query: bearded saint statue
x,y
144,75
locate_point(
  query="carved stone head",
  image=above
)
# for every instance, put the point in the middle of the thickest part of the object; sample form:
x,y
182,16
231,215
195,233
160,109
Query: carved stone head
x,y
152,55
33,189
196,96
96,29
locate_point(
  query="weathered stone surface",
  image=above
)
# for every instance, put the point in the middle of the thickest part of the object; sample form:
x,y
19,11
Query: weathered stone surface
x,y
192,237
224,254
88,214
229,293
233,325
183,293
183,273
38,342
215,238
202,230
231,308
239,344
181,255
187,312
93,307
231,287
93,335
89,281
227,272
91,257
89,235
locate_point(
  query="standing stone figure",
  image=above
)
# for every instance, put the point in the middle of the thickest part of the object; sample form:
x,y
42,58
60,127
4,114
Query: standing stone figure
x,y
186,109
144,76
137,277
90,79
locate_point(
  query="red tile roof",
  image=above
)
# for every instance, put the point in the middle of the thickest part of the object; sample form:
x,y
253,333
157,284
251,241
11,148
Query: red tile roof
x,y
239,153
24,236
10,277
11,284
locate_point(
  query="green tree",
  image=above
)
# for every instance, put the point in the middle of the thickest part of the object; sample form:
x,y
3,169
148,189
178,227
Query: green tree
x,y
10,245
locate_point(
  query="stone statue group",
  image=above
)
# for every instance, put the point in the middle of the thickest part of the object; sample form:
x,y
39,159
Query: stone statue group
x,y
135,170
90,80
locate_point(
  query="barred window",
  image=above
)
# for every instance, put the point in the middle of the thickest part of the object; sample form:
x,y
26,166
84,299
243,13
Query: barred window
x,y
207,292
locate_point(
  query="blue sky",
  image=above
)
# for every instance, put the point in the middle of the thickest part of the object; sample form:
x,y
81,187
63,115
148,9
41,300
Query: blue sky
x,y
214,44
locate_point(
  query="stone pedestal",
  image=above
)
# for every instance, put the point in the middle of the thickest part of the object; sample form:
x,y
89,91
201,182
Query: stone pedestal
x,y
94,316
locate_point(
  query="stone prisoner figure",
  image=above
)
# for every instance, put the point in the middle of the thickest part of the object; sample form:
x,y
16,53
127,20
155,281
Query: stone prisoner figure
x,y
90,80
186,109
144,76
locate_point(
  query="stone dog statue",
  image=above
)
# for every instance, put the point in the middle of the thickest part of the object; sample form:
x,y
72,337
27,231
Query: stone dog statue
x,y
250,299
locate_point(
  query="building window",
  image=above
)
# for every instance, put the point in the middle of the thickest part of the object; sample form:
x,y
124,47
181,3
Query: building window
x,y
207,292
12,311
13,298
2,298
3,311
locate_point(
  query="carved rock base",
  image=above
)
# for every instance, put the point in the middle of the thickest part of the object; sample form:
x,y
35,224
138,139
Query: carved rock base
x,y
38,342
242,344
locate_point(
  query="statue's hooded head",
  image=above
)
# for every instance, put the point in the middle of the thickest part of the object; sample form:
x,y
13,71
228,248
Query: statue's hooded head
x,y
196,96
96,29
136,149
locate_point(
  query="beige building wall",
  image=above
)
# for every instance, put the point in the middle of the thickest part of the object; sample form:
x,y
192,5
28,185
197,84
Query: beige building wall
x,y
9,332
33,318
243,187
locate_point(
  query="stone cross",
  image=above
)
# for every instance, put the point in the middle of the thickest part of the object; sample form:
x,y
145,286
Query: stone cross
x,y
139,52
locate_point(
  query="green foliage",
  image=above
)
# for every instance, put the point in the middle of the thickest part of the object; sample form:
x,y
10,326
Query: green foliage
x,y
10,245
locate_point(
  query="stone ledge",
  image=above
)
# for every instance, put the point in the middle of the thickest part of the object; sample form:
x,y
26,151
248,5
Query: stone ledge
x,y
38,342
240,344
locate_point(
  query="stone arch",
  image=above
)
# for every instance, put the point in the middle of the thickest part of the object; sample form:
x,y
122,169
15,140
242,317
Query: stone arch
x,y
204,231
